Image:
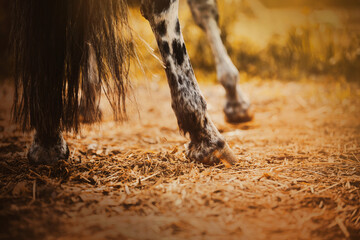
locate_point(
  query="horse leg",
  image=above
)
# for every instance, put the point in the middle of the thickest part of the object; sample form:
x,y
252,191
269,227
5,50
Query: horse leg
x,y
52,57
207,145
39,31
48,145
90,91
205,14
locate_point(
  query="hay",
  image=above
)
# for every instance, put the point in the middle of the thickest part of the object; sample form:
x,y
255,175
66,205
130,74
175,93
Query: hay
x,y
299,174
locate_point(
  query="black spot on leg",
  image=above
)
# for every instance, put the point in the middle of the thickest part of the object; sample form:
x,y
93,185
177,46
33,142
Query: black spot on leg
x,y
205,122
177,27
220,144
184,49
161,6
161,28
172,80
164,48
178,52
167,66
170,76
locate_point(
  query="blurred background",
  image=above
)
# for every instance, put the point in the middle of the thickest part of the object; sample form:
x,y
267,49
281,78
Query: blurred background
x,y
287,40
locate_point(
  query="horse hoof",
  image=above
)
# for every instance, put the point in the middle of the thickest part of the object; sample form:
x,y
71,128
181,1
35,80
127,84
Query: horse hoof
x,y
221,154
238,113
48,154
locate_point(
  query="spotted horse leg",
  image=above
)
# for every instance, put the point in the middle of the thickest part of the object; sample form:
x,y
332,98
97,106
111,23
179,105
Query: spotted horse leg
x,y
206,145
237,107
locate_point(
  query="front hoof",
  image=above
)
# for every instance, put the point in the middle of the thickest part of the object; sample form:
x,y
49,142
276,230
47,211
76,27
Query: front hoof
x,y
212,156
48,154
238,113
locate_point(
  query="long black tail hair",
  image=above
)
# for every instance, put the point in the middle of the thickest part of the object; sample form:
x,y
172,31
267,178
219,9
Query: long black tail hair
x,y
52,40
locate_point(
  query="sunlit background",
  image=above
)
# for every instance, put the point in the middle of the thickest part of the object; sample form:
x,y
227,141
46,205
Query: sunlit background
x,y
312,42
272,39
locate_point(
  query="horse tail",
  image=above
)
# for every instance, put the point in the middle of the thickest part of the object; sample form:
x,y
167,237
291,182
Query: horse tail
x,y
51,42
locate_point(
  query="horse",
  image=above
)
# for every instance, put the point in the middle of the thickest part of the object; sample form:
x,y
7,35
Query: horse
x,y
66,52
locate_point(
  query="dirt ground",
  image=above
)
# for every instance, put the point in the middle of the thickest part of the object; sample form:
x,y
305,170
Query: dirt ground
x,y
298,175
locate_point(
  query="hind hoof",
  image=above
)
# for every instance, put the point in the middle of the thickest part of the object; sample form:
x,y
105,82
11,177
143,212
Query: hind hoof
x,y
220,153
238,113
48,154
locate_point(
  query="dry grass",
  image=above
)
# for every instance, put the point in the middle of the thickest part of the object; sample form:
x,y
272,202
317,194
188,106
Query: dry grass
x,y
298,176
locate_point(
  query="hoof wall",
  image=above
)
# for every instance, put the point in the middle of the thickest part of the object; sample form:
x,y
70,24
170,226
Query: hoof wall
x,y
238,114
48,155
